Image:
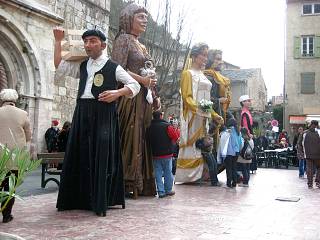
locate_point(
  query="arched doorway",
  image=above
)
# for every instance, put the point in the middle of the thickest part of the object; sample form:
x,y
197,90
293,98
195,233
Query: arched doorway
x,y
19,65
19,68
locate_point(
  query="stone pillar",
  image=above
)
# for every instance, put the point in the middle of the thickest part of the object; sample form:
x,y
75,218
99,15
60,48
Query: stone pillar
x,y
3,77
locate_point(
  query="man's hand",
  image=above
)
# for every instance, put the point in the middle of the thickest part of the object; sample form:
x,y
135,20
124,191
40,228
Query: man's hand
x,y
109,96
58,33
223,100
218,119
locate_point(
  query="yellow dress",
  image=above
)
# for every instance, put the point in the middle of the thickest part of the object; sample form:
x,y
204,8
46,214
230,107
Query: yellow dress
x,y
194,87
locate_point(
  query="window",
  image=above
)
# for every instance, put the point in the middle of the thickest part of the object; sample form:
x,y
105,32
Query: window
x,y
309,9
317,8
307,46
308,83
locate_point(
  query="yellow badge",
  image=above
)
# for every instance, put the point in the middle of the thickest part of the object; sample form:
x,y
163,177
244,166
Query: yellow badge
x,y
98,80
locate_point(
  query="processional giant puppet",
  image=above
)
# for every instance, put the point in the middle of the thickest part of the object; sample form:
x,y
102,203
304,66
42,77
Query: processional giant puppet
x,y
135,114
220,93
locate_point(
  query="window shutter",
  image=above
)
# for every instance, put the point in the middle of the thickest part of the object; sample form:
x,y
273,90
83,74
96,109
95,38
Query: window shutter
x,y
308,83
317,47
297,47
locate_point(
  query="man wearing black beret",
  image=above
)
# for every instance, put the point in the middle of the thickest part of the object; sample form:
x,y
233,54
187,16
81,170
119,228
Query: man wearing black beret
x,y
92,175
94,32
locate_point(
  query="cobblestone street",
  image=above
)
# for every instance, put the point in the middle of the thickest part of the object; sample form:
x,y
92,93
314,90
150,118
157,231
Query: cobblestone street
x,y
195,212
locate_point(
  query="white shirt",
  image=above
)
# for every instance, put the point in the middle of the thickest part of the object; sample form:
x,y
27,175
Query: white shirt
x,y
72,69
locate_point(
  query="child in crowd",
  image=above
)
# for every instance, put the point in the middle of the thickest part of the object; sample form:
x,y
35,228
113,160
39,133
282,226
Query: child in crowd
x,y
245,158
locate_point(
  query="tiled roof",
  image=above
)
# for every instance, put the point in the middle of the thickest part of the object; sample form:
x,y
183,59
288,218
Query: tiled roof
x,y
240,74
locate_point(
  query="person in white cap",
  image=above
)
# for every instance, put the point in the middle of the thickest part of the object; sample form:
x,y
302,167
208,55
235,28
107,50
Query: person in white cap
x,y
246,117
15,132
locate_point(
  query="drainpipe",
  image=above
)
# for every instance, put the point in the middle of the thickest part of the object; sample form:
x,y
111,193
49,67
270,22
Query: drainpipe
x,y
284,120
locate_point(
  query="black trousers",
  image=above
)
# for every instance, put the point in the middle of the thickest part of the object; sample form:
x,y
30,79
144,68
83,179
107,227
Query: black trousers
x,y
231,169
212,165
5,186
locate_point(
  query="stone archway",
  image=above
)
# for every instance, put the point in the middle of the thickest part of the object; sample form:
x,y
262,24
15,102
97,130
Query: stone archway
x,y
19,68
17,58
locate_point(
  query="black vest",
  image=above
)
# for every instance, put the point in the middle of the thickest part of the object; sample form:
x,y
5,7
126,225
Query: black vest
x,y
109,78
160,142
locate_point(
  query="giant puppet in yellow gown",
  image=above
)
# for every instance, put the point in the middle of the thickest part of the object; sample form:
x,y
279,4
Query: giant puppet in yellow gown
x,y
220,91
194,87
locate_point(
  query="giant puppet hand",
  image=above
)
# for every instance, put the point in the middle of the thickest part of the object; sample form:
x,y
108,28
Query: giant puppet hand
x,y
58,34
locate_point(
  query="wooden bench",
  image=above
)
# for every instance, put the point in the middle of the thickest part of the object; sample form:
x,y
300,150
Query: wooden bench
x,y
49,159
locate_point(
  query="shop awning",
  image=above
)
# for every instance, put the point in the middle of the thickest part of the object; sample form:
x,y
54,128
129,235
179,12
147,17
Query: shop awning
x,y
310,117
297,119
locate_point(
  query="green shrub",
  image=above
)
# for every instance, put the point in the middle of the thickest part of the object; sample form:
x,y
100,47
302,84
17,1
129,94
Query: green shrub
x,y
24,163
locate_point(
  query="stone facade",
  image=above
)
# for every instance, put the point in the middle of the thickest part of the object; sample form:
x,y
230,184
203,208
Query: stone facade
x,y
250,82
26,54
277,100
298,104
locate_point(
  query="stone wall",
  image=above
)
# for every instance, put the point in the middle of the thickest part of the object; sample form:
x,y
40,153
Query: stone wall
x,y
26,52
77,14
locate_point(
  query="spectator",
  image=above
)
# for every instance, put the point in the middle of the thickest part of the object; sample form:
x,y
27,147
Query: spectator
x,y
310,141
15,133
300,153
175,124
245,159
284,135
246,118
283,143
233,151
262,143
205,144
63,137
296,138
162,135
51,137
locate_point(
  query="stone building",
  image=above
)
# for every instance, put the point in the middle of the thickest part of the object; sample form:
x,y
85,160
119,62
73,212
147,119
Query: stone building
x,y
250,82
277,100
26,54
302,64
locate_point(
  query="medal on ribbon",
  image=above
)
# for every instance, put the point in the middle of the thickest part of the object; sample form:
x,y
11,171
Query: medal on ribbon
x,y
98,80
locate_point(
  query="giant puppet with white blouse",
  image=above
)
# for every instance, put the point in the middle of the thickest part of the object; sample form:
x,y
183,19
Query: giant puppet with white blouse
x,y
195,88
92,174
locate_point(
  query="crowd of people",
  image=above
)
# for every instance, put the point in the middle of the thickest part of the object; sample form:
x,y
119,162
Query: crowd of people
x,y
119,144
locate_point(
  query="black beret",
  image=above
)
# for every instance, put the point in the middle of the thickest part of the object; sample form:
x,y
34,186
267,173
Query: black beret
x,y
94,32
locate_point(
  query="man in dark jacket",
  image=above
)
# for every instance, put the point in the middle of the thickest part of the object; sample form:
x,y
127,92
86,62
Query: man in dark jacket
x,y
51,136
162,135
310,140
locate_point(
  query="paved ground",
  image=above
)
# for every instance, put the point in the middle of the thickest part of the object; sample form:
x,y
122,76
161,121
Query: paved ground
x,y
32,185
195,212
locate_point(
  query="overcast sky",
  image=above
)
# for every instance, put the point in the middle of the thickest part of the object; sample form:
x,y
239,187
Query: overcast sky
x,y
249,32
